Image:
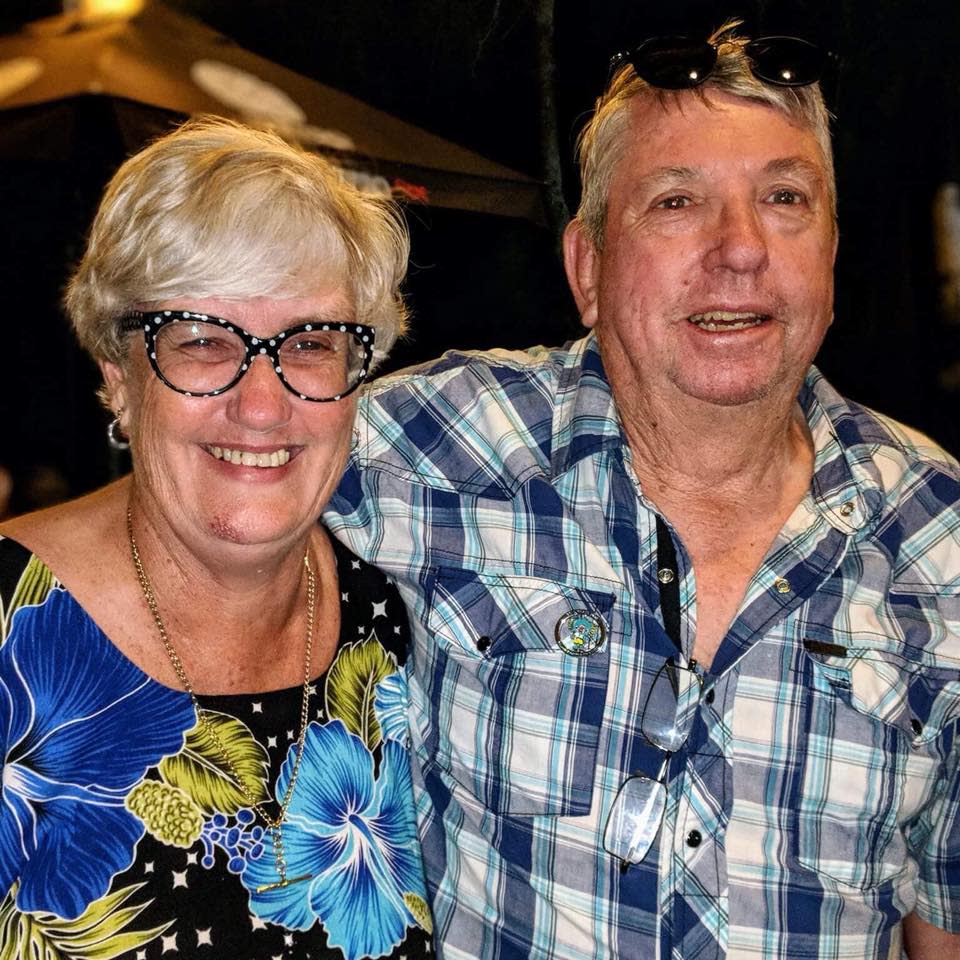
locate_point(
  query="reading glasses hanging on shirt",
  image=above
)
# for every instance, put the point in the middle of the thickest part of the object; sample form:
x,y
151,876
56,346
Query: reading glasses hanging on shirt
x,y
637,812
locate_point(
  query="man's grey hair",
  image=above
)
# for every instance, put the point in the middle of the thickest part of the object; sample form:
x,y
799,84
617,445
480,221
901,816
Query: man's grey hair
x,y
603,141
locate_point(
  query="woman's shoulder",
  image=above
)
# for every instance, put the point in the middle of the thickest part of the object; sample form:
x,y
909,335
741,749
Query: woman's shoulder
x,y
19,569
67,537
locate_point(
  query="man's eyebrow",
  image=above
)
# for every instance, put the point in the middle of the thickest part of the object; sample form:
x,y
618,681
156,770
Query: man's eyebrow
x,y
795,165
669,175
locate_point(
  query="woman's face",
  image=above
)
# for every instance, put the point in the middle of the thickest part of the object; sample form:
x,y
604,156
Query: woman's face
x,y
184,448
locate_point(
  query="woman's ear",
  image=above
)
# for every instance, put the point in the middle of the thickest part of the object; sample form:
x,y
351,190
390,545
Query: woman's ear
x,y
115,390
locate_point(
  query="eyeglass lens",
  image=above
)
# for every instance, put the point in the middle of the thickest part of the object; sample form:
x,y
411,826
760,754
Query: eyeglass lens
x,y
202,357
674,63
635,819
671,707
786,61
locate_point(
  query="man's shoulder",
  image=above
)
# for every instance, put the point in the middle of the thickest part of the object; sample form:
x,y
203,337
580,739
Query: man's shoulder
x,y
473,420
895,443
868,435
493,369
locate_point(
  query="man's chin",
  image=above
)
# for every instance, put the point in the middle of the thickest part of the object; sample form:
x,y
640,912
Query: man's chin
x,y
729,392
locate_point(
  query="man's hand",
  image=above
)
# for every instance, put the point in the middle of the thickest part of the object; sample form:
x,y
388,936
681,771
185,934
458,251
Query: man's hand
x,y
923,941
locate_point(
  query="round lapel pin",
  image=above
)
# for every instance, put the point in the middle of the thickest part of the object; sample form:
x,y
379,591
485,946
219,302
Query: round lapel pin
x,y
580,633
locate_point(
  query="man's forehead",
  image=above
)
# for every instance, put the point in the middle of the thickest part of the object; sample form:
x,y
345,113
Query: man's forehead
x,y
681,134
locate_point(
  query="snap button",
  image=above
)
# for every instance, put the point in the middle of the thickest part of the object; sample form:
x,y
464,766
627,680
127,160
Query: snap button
x,y
694,838
483,644
781,585
847,508
665,575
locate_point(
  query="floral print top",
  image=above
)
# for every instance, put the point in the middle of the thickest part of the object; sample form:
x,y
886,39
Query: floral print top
x,y
123,835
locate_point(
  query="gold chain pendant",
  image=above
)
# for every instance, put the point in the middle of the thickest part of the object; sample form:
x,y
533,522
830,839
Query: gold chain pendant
x,y
280,884
274,824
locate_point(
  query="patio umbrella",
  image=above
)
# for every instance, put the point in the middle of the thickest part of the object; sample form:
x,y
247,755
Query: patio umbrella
x,y
159,63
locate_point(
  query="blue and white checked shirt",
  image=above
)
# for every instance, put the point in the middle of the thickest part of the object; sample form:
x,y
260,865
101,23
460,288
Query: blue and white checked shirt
x,y
821,774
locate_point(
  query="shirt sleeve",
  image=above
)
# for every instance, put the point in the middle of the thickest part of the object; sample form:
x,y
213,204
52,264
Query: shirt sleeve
x,y
934,840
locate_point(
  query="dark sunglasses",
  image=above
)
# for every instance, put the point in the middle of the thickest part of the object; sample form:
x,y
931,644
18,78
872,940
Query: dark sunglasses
x,y
679,63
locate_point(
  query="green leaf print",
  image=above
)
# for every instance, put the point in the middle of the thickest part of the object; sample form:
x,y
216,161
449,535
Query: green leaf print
x,y
351,686
200,771
419,911
167,812
99,933
32,588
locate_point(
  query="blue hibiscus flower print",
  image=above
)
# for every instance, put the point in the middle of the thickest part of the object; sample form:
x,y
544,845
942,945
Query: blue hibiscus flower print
x,y
354,834
81,725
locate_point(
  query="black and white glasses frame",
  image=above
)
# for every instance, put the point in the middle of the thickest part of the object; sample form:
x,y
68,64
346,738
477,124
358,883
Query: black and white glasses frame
x,y
153,321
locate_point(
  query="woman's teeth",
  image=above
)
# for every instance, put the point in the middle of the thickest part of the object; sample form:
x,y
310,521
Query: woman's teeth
x,y
717,320
245,458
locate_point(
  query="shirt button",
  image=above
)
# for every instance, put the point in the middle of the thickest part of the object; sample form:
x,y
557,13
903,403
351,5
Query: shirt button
x,y
917,726
709,695
694,838
781,585
483,644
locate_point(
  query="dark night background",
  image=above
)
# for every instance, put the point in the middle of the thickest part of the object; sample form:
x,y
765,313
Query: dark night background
x,y
468,71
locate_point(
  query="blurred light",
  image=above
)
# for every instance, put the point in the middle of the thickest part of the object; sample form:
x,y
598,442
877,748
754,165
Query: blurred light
x,y
17,73
104,8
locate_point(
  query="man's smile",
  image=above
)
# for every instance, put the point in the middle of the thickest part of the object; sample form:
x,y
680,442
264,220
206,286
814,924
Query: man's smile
x,y
723,321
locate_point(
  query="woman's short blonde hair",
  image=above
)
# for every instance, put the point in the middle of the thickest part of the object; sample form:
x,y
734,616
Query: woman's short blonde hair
x,y
602,142
218,209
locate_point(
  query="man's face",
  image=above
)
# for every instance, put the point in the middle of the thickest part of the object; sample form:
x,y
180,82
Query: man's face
x,y
715,280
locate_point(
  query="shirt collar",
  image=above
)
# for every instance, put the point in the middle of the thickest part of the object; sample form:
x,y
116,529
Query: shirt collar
x,y
585,418
847,488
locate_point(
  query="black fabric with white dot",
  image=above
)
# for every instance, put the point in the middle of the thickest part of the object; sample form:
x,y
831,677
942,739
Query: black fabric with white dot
x,y
153,321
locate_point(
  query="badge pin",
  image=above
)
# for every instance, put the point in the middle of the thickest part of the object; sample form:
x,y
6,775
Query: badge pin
x,y
580,633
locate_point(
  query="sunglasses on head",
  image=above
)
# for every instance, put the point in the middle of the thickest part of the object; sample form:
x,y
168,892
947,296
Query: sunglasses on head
x,y
679,63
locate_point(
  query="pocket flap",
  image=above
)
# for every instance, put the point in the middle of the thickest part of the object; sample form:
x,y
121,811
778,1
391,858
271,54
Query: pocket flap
x,y
919,699
501,615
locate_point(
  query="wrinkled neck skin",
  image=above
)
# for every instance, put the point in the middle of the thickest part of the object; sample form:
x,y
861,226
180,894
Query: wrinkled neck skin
x,y
749,457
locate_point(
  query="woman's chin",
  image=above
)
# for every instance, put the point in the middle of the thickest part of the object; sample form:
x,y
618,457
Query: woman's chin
x,y
254,526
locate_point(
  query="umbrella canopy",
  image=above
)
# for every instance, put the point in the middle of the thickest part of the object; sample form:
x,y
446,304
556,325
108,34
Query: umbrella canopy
x,y
165,60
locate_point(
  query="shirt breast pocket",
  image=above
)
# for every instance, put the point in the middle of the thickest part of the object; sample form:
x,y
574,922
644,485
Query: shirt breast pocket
x,y
518,687
871,756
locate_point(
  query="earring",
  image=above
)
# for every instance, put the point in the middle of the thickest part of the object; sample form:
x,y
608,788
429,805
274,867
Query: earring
x,y
115,436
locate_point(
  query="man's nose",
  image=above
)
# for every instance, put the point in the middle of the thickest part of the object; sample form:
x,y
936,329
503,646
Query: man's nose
x,y
739,242
260,400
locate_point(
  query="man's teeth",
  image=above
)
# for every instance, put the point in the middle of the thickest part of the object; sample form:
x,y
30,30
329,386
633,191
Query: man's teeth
x,y
247,459
726,320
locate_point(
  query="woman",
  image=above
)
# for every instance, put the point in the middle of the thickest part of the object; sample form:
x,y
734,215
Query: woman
x,y
201,714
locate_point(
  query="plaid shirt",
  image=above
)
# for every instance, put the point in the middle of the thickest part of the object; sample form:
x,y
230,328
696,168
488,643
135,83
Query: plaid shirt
x,y
815,802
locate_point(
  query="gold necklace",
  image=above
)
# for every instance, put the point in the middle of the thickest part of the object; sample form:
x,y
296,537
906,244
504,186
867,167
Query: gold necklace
x,y
274,824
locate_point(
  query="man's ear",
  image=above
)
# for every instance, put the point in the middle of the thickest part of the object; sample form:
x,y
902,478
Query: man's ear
x,y
582,264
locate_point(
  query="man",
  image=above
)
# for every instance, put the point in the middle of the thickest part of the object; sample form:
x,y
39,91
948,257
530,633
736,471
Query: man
x,y
686,667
